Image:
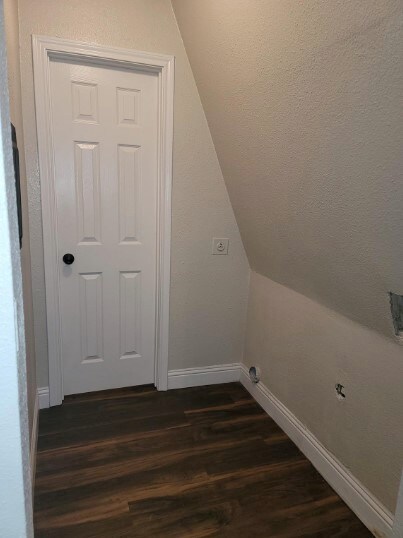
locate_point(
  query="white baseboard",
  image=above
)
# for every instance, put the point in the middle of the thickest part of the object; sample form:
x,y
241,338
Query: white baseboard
x,y
43,397
34,442
179,379
368,509
209,375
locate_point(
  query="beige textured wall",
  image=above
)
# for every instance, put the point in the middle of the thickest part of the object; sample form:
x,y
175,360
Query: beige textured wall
x,y
14,83
304,349
208,293
303,101
15,483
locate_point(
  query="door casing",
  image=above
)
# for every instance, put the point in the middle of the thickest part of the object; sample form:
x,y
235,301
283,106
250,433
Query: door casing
x,y
44,50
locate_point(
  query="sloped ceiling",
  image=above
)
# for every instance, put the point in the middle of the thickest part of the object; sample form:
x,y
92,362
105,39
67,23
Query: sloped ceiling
x,y
302,100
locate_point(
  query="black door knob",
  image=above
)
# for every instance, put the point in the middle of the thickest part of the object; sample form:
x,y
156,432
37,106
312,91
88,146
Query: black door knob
x,y
68,259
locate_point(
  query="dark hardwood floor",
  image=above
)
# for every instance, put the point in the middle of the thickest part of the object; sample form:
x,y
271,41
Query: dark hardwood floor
x,y
196,462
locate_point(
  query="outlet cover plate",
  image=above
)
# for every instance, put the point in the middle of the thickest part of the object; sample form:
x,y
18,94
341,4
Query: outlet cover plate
x,y
220,245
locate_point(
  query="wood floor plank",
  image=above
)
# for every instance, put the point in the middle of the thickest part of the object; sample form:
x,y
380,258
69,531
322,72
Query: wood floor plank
x,y
196,462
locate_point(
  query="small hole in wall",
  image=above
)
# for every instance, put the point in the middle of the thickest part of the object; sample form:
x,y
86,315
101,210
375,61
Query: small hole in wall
x,y
396,309
340,391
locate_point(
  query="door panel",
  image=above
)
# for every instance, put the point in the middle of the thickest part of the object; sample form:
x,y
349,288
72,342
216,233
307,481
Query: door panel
x,y
130,315
86,164
90,286
104,124
129,192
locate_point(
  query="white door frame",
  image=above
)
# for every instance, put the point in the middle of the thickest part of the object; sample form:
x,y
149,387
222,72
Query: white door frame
x,y
45,49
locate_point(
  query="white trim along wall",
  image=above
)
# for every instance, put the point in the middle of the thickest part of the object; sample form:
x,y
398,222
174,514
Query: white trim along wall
x,y
34,439
44,49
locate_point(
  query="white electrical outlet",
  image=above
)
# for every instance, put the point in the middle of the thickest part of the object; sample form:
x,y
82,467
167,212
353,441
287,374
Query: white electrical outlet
x,y
220,245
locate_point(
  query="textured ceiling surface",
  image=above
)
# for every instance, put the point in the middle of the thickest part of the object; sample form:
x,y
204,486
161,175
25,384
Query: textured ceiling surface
x,y
303,100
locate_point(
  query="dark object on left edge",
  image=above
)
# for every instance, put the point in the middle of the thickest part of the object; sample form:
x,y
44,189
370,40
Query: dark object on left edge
x,y
16,159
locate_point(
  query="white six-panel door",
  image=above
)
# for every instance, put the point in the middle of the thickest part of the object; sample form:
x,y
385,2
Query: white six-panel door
x,y
104,124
